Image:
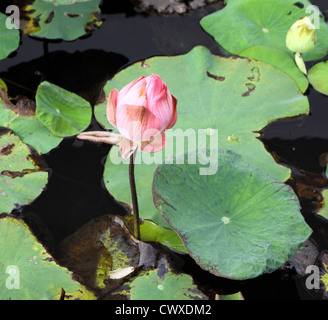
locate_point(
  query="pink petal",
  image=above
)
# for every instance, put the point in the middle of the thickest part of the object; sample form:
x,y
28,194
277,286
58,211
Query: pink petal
x,y
175,114
111,107
134,93
137,123
155,86
157,143
163,106
127,147
126,89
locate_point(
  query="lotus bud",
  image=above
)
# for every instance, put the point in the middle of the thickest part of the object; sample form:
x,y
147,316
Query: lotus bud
x,y
301,36
141,112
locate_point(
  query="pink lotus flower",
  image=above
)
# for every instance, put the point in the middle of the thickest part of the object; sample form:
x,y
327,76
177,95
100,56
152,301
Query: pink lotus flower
x,y
141,112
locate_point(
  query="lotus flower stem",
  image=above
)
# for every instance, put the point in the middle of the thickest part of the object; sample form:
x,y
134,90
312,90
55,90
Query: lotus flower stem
x,y
134,197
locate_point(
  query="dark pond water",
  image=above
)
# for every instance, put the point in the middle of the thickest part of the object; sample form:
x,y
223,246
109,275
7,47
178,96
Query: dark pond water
x,y
75,193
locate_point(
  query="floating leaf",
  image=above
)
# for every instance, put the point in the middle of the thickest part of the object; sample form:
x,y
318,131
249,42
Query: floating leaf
x,y
61,19
64,113
244,23
318,77
150,231
161,284
9,38
323,211
224,98
22,120
279,59
233,296
28,272
21,178
238,223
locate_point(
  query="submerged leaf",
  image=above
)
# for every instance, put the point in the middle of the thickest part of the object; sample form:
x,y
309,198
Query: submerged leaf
x,y
100,248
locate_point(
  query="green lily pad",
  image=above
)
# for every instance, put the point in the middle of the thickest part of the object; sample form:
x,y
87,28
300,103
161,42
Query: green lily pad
x,y
28,272
161,284
21,178
235,96
23,122
3,85
323,211
64,113
279,59
233,296
9,38
61,19
318,77
238,223
244,23
150,231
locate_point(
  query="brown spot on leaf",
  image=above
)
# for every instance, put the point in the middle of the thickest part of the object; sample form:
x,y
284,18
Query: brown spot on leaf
x,y
4,151
72,15
12,174
299,5
4,131
255,75
251,88
213,76
50,17
95,23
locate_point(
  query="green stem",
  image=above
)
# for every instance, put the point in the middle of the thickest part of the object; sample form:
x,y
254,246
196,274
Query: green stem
x,y
134,197
17,85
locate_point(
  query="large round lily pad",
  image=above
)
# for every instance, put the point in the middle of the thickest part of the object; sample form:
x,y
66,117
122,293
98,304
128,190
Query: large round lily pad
x,y
61,19
21,178
318,77
9,38
64,113
238,223
244,23
28,272
223,98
